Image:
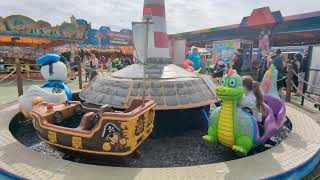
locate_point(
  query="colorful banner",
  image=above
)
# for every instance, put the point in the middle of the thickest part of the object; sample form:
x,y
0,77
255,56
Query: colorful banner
x,y
119,35
104,37
224,50
116,38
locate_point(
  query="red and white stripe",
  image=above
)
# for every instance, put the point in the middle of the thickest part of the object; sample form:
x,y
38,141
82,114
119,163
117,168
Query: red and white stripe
x,y
158,37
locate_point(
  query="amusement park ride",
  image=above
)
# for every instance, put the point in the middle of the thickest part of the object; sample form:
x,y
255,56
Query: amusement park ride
x,y
237,129
117,112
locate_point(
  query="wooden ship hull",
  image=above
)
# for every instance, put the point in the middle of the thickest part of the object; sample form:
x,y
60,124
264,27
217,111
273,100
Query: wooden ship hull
x,y
103,131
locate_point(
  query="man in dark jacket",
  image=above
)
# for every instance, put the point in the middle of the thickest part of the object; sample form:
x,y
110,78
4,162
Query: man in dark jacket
x,y
238,61
277,60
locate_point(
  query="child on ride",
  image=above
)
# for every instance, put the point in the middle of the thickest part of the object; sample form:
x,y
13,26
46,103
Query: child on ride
x,y
252,98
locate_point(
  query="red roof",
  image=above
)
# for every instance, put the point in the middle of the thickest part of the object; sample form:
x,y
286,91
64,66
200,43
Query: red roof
x,y
261,17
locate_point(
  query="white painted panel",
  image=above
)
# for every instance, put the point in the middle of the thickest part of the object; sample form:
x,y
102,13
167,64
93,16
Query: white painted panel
x,y
179,50
314,76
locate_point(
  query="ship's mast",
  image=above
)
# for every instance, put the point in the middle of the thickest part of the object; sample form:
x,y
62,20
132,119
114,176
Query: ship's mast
x,y
148,17
145,59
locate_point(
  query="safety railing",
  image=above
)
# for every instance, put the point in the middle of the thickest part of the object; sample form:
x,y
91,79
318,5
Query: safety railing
x,y
304,95
19,72
5,78
291,84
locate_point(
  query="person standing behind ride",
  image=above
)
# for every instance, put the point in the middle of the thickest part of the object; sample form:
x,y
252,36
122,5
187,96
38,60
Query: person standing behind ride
x,y
94,64
87,66
277,60
302,70
109,65
1,64
296,68
264,65
195,58
104,62
237,61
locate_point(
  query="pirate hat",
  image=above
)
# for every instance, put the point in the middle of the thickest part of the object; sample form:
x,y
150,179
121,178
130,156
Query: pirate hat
x,y
109,128
48,59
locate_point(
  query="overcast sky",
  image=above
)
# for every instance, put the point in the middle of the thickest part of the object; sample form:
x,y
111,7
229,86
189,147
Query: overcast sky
x,y
182,15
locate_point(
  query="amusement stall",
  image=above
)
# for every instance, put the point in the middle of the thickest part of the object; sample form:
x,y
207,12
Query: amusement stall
x,y
104,44
22,40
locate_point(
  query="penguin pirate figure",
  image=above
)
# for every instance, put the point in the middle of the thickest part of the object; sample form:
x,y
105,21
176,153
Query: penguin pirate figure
x,y
55,72
55,91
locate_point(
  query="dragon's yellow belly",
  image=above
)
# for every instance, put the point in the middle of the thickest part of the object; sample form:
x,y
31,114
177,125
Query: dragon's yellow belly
x,y
225,124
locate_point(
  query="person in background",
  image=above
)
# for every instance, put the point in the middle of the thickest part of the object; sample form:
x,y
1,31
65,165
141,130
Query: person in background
x,y
269,59
298,59
264,64
277,60
218,69
82,55
104,62
237,61
252,98
195,58
87,67
94,65
131,61
63,59
189,52
109,65
1,64
296,68
302,70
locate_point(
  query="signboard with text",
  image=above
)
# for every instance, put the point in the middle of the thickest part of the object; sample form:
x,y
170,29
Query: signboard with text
x,y
117,38
104,37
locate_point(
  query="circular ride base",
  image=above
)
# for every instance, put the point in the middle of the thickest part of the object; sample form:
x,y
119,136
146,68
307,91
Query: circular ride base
x,y
294,158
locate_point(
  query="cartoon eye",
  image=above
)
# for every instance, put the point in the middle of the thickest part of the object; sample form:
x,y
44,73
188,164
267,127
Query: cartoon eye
x,y
56,90
223,81
232,82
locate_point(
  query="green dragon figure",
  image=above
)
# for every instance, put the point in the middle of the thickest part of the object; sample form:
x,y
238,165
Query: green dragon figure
x,y
230,125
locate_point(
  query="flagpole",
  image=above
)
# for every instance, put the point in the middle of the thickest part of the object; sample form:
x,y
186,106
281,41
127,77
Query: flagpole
x,y
146,49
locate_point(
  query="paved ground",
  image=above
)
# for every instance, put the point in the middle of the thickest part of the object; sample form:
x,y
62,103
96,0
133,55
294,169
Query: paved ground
x,y
315,114
307,108
8,96
301,145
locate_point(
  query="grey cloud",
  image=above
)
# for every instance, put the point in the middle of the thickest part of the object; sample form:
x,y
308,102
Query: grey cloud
x,y
182,15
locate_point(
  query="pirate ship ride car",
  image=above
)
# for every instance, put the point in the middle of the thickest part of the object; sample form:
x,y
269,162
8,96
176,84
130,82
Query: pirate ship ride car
x,y
104,131
183,98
